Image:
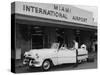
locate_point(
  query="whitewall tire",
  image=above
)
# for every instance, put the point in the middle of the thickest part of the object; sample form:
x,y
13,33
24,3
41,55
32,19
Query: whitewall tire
x,y
46,65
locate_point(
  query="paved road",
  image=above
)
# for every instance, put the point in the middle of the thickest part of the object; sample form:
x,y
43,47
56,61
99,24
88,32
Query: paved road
x,y
85,65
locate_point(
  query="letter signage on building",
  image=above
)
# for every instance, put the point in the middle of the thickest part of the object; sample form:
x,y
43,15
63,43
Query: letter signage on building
x,y
66,13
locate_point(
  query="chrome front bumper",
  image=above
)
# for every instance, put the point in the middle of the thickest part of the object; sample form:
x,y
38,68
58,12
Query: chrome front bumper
x,y
31,62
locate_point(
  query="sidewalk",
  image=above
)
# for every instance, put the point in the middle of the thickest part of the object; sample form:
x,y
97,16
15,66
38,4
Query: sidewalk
x,y
19,63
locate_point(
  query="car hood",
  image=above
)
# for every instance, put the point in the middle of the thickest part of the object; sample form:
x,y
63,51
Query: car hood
x,y
33,52
42,50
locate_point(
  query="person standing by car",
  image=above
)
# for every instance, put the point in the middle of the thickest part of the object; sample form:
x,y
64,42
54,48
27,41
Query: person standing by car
x,y
76,48
75,44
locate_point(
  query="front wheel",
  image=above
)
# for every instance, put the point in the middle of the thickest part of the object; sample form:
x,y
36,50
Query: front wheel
x,y
46,65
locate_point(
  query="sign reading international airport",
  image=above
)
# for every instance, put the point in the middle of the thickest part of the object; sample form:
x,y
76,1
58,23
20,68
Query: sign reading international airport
x,y
66,13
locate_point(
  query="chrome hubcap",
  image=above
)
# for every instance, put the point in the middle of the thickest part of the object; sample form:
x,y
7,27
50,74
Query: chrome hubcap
x,y
46,65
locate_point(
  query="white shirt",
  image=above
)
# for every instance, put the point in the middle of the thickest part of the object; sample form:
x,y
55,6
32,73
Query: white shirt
x,y
76,45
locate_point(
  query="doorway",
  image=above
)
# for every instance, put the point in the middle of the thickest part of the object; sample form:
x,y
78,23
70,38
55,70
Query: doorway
x,y
37,41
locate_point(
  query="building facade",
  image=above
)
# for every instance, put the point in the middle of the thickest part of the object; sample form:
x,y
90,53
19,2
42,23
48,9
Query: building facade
x,y
38,25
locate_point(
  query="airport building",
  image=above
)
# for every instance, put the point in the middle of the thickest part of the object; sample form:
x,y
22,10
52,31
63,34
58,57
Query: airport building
x,y
39,25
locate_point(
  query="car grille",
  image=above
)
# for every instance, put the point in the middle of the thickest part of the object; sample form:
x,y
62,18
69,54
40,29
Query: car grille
x,y
29,58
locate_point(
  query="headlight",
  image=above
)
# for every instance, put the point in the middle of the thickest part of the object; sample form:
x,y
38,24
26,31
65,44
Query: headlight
x,y
24,54
27,54
37,56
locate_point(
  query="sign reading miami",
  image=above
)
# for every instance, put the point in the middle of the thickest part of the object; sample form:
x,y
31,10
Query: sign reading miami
x,y
56,12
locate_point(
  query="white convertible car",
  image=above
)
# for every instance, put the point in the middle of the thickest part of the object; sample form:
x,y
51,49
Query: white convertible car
x,y
45,58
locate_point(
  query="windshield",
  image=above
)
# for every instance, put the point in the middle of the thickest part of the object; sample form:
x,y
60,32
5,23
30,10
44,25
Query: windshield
x,y
55,45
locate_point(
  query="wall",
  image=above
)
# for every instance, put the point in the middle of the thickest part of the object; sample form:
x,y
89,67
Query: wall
x,y
50,34
21,43
69,37
85,38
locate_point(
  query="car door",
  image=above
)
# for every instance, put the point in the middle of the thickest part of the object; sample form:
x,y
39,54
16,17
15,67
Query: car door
x,y
66,56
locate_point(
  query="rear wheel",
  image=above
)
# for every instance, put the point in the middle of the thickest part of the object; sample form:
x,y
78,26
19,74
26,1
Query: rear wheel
x,y
46,65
